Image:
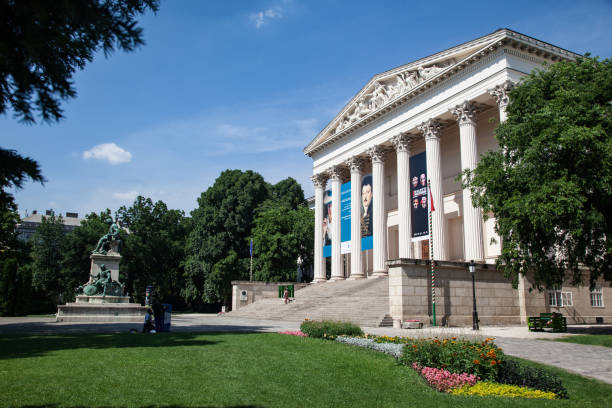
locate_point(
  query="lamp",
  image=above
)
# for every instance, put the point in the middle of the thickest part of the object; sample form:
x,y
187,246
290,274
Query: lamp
x,y
472,269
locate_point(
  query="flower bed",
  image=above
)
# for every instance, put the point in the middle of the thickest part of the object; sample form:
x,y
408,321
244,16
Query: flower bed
x,y
294,333
392,349
329,330
502,390
444,380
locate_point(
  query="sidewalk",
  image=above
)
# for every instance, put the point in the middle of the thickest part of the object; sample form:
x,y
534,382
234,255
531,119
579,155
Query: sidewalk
x,y
589,361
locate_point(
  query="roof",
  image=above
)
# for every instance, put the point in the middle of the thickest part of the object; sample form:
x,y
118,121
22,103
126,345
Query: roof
x,y
389,89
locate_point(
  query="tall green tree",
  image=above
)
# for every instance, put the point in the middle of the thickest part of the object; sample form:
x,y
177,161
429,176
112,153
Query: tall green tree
x,y
154,250
549,184
47,246
43,43
280,238
288,192
217,247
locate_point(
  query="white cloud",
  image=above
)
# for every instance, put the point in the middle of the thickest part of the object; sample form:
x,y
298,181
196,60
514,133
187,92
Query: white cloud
x,y
260,18
126,196
108,151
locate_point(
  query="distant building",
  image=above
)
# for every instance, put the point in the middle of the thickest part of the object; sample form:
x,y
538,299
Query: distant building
x,y
27,227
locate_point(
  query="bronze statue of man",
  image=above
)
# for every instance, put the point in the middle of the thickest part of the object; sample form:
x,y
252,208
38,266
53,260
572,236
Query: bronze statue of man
x,y
113,236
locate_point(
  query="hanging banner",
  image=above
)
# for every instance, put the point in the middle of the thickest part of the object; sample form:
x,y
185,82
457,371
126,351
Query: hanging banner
x,y
327,223
367,218
419,197
345,218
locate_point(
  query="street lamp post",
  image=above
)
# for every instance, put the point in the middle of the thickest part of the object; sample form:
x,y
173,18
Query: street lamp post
x,y
472,269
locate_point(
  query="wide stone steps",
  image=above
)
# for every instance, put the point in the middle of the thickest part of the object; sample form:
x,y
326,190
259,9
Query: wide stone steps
x,y
363,302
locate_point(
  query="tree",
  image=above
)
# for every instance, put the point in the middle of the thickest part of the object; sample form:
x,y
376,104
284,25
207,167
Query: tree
x,y
549,184
47,245
43,43
154,250
221,227
289,193
280,237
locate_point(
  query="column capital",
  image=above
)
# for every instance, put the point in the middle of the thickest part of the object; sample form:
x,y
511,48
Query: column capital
x,y
500,93
465,113
319,180
401,142
355,163
377,154
336,173
430,129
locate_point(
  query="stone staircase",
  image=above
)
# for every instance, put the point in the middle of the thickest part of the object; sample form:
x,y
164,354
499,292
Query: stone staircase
x,y
363,302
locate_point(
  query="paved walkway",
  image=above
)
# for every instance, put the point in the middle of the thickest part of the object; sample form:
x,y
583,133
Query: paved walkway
x,y
590,361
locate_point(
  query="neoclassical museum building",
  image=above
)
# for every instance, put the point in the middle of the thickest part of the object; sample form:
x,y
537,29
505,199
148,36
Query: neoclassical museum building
x,y
422,124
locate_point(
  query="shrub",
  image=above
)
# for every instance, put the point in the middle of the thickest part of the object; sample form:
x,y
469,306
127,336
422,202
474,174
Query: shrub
x,y
444,380
457,356
514,373
329,330
502,390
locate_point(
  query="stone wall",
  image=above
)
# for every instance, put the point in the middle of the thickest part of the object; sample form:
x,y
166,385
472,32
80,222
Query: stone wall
x,y
498,303
257,290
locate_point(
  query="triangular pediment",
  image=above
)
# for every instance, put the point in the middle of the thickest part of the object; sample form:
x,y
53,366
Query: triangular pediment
x,y
390,88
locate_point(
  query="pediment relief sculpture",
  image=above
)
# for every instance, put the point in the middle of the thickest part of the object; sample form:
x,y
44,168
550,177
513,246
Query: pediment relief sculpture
x,y
385,90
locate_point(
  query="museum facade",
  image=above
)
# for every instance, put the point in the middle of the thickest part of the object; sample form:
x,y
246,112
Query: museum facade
x,y
417,126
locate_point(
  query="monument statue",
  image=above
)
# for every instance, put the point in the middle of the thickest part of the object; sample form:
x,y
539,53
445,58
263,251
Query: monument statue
x,y
101,284
104,244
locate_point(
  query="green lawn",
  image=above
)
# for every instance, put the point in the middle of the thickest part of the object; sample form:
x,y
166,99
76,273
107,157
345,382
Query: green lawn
x,y
590,339
227,370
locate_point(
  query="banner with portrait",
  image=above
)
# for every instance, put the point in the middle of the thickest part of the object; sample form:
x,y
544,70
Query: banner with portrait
x,y
327,223
367,217
419,197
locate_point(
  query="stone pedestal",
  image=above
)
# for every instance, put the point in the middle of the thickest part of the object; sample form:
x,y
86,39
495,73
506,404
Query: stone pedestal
x,y
111,260
93,312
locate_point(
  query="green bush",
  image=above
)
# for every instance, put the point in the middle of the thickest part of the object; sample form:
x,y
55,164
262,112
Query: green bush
x,y
514,373
329,330
457,356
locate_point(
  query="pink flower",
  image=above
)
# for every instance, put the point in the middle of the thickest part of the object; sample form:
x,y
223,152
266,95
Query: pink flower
x,y
294,333
444,380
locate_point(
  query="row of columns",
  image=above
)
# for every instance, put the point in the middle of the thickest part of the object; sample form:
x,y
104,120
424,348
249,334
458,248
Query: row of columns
x,y
465,114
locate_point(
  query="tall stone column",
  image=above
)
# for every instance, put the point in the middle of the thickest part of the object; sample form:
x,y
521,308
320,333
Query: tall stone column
x,y
431,131
401,143
500,93
335,175
379,230
356,166
319,181
472,216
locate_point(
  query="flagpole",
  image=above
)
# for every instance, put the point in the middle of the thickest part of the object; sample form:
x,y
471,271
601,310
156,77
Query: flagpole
x,y
431,255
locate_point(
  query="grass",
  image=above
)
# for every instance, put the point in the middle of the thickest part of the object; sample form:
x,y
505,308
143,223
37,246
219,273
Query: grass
x,y
227,370
589,339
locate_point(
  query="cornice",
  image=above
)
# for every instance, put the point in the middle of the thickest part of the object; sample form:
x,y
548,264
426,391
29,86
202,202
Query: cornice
x,y
484,45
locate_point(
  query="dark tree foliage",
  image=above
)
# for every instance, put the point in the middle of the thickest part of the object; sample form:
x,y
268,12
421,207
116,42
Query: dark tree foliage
x,y
280,237
47,248
153,250
549,184
218,245
16,281
43,43
77,248
289,193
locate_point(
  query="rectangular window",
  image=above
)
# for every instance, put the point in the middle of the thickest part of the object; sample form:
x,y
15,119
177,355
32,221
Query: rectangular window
x,y
597,297
558,298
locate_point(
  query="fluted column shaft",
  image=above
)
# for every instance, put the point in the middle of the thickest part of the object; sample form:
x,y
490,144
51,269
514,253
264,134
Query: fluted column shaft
x,y
336,262
356,166
402,148
379,233
472,216
431,131
319,182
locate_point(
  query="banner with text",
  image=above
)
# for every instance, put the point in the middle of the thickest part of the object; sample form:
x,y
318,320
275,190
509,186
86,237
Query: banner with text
x,y
419,196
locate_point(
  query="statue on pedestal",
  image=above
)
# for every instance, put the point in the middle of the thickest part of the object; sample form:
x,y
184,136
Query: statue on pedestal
x,y
104,244
101,284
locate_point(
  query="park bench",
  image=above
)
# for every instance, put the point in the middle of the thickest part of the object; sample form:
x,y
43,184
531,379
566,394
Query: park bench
x,y
554,321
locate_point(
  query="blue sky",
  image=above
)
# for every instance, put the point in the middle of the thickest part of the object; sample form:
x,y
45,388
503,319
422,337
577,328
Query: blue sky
x,y
247,84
